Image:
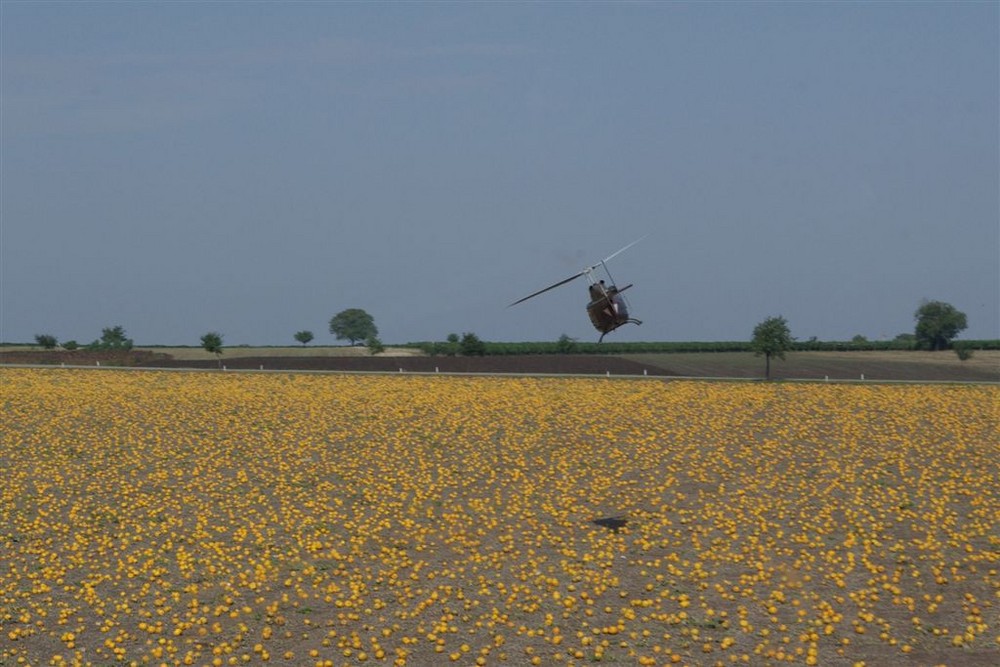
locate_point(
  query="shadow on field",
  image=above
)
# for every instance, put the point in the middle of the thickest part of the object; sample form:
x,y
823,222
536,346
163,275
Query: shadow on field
x,y
612,523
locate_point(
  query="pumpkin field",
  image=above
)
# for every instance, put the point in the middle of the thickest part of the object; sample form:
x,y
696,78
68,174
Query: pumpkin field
x,y
210,518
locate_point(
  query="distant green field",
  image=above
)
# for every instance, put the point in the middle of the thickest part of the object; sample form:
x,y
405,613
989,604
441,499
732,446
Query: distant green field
x,y
984,366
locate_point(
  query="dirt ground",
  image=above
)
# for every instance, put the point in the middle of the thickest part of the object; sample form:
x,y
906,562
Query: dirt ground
x,y
298,519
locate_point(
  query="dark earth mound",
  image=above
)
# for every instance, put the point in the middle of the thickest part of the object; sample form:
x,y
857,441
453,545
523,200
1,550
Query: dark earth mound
x,y
519,364
85,357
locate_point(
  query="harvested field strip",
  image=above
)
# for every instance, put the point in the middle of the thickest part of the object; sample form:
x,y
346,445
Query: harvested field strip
x,y
984,366
215,519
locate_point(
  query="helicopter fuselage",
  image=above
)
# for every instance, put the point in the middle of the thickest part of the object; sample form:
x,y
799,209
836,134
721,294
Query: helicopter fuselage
x,y
607,309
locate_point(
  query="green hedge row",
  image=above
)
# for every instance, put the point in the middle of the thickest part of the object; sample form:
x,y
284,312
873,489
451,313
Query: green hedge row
x,y
564,347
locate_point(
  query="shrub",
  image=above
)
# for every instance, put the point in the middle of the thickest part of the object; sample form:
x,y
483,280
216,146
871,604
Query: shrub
x,y
374,345
565,344
46,341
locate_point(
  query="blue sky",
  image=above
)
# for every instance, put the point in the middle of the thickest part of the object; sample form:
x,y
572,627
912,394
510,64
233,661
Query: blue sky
x,y
255,168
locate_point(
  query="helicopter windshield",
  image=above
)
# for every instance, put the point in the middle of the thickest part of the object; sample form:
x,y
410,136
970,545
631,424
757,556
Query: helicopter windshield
x,y
621,310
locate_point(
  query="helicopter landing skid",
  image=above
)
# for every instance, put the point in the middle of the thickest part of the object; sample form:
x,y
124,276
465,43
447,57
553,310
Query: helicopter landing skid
x,y
630,320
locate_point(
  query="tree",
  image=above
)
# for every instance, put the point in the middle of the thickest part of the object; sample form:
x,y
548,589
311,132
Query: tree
x,y
471,346
46,341
771,338
937,324
353,325
304,337
212,342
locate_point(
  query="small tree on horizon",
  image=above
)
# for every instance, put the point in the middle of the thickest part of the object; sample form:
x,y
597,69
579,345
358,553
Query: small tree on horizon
x,y
304,337
212,342
114,338
353,325
46,341
771,338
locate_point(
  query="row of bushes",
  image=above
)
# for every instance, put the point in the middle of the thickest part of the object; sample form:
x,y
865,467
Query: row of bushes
x,y
568,346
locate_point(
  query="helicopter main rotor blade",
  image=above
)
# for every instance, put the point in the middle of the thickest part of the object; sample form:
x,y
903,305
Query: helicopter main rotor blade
x,y
582,273
618,252
542,291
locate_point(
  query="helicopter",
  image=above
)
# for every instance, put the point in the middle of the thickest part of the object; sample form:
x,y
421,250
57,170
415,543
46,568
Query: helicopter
x,y
607,308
